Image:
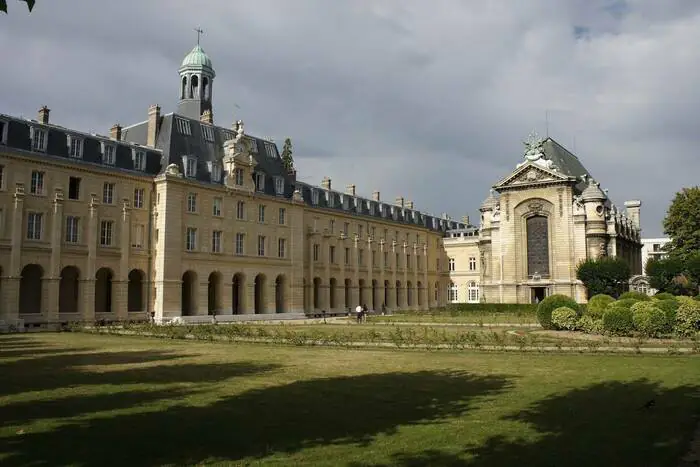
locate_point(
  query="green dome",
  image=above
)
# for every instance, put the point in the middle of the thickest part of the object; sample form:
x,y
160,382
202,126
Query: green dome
x,y
197,58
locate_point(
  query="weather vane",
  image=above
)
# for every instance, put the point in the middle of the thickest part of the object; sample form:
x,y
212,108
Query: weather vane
x,y
199,33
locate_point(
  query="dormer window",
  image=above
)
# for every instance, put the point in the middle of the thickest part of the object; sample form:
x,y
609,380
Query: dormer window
x,y
190,164
4,124
207,133
279,185
183,126
260,181
75,147
139,158
371,209
108,151
238,174
38,136
215,170
271,150
228,135
253,145
314,197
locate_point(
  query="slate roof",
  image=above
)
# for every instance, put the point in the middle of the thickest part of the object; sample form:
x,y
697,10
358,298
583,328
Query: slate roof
x,y
18,137
566,162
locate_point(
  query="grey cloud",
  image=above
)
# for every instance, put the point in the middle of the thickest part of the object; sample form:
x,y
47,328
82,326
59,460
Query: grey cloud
x,y
429,101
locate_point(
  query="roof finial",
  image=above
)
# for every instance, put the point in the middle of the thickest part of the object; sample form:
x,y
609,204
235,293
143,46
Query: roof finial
x,y
199,33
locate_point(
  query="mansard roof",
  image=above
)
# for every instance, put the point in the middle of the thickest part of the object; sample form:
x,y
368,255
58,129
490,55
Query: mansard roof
x,y
57,146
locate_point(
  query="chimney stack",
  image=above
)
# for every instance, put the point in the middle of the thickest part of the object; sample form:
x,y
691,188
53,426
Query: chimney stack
x,y
116,132
350,190
153,122
399,201
44,115
375,196
465,220
326,183
633,212
207,117
409,204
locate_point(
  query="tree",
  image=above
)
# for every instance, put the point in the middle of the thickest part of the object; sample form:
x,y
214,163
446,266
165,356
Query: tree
x,y
682,224
663,274
287,158
30,5
604,275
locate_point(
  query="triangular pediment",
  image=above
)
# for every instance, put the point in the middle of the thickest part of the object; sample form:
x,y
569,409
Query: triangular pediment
x,y
531,174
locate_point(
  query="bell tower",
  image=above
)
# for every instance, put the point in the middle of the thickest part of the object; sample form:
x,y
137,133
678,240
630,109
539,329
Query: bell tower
x,y
196,83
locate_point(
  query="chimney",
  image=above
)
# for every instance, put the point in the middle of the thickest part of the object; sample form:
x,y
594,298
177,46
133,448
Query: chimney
x,y
633,208
153,122
207,117
465,220
409,204
326,183
116,132
44,115
399,201
350,190
375,196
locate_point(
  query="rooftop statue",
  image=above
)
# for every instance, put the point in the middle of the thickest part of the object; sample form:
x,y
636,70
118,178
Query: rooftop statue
x,y
534,152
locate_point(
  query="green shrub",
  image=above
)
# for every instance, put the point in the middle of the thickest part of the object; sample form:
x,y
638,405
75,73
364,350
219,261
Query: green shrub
x,y
639,296
564,318
617,321
697,297
551,303
491,308
669,307
590,324
647,319
684,299
625,303
688,318
597,305
664,296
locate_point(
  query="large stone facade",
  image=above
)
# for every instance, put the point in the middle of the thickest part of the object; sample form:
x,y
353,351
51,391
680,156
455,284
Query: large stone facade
x,y
182,218
536,226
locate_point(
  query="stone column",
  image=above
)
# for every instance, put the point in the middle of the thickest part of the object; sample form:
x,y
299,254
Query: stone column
x,y
310,283
382,266
370,267
404,282
121,284
89,281
54,273
426,294
249,296
394,267
414,259
326,287
355,295
10,283
341,281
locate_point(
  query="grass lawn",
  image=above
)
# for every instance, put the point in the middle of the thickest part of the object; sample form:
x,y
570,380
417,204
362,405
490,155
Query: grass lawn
x,y
470,317
84,399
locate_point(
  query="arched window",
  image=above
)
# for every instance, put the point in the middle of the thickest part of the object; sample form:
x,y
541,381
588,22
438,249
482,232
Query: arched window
x,y
452,292
537,246
473,292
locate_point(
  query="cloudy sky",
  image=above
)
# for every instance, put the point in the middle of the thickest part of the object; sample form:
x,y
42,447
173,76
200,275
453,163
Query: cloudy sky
x,y
429,100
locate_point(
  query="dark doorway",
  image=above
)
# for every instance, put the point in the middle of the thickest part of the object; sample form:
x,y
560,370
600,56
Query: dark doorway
x,y
538,294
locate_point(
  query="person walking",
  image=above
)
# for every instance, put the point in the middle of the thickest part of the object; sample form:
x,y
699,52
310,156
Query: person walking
x,y
358,311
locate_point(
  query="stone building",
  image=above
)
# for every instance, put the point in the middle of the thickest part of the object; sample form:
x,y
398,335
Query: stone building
x,y
178,216
537,224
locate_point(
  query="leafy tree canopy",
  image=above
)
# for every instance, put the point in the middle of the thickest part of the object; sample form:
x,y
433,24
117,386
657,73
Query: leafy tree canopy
x,y
3,4
682,224
604,275
287,158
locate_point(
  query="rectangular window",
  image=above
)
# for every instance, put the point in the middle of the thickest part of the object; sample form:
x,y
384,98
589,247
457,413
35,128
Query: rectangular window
x,y
34,225
398,263
108,193
359,231
74,188
207,133
418,263
3,132
191,202
137,235
374,258
374,232
408,262
183,126
216,241
282,218
386,258
216,173
270,150
238,173
108,151
261,213
190,167
346,228
472,264
281,247
106,233
331,226
451,264
317,250
138,197
360,257
279,185
216,207
37,183
240,242
76,147
191,239
260,182
347,256
240,210
314,197
72,229
331,254
38,139
2,177
261,245
139,160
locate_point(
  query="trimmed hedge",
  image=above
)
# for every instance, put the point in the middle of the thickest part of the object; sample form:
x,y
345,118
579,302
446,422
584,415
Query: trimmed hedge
x,y
597,305
590,325
551,303
648,319
669,307
491,307
688,319
617,321
639,296
565,318
625,303
664,296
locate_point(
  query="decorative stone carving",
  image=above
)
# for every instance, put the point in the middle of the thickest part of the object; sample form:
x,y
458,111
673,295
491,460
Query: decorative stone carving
x,y
577,205
496,215
173,169
535,207
19,190
58,195
534,152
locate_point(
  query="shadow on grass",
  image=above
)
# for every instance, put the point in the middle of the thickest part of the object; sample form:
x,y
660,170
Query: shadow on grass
x,y
604,424
260,422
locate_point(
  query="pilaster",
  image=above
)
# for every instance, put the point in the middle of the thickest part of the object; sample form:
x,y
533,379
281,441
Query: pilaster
x,y
121,284
89,282
10,283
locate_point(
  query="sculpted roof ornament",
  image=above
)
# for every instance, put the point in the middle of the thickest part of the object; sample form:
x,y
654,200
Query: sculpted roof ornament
x,y
534,152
